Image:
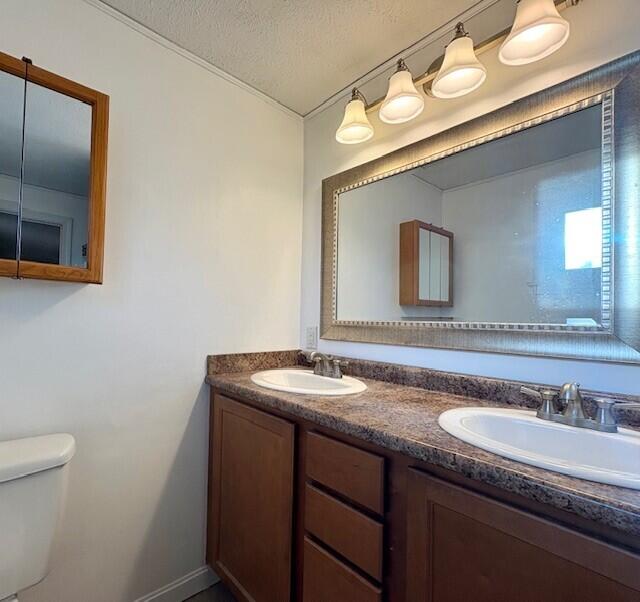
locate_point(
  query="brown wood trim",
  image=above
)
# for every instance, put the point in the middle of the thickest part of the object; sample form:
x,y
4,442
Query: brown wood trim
x,y
46,271
409,275
598,557
348,532
9,268
57,83
99,102
97,215
356,474
417,527
10,64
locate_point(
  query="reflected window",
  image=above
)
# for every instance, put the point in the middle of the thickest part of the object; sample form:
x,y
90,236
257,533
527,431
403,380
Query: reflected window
x,y
583,239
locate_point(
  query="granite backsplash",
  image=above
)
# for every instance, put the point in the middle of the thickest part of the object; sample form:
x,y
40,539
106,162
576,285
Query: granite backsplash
x,y
479,387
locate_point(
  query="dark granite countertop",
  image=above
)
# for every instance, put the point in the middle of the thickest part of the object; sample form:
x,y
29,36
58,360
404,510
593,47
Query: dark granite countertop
x,y
405,419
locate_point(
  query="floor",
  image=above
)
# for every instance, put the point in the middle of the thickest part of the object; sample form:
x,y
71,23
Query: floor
x,y
217,593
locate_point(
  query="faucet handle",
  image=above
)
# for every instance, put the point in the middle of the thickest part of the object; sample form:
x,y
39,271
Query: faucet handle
x,y
605,418
337,367
547,397
531,392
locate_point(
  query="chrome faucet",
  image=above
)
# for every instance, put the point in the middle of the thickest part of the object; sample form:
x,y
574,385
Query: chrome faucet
x,y
574,413
325,365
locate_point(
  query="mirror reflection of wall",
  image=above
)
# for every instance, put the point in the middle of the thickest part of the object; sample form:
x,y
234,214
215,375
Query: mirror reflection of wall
x,y
11,111
527,216
55,206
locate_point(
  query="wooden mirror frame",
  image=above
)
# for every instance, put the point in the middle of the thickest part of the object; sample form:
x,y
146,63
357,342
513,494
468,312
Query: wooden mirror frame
x,y
617,339
98,177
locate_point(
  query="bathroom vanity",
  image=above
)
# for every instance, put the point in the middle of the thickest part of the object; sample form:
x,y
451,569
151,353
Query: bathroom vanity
x,y
366,498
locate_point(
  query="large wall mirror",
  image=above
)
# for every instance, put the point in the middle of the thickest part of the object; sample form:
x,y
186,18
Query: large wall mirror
x,y
542,199
53,150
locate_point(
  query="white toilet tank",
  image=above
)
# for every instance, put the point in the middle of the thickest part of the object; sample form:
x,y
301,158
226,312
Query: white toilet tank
x,y
33,478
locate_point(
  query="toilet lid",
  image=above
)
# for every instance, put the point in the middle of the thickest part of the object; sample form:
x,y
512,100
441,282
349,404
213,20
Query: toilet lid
x,y
22,457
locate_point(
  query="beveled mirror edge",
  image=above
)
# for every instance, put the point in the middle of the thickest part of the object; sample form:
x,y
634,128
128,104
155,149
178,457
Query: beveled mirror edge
x,y
93,273
598,344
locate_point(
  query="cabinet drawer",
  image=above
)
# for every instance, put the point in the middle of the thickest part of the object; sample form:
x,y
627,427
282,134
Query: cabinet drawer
x,y
352,472
326,579
350,533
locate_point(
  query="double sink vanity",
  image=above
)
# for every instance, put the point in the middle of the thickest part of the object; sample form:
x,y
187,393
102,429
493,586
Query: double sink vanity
x,y
399,483
513,233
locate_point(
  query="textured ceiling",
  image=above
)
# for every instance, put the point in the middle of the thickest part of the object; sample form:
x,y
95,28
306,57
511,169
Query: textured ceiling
x,y
299,52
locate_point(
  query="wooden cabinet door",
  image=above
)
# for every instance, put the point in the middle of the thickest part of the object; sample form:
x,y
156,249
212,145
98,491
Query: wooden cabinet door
x,y
251,501
464,546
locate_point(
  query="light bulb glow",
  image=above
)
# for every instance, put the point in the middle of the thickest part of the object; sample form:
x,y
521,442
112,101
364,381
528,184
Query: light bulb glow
x,y
355,126
461,72
538,31
403,102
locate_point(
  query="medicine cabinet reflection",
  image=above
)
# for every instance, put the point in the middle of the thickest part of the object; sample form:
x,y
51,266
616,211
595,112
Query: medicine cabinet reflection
x,y
53,152
426,265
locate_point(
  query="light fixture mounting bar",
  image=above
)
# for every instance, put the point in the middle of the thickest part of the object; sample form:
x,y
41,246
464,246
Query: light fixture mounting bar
x,y
428,76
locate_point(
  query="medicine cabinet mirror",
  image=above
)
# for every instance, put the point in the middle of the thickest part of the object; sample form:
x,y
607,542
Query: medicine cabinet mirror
x,y
53,157
426,265
542,198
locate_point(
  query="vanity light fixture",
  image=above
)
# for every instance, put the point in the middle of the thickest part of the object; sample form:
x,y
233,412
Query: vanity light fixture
x,y
538,31
461,71
403,102
355,126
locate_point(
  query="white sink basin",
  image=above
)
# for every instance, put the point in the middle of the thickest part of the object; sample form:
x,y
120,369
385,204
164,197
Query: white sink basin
x,y
306,382
612,458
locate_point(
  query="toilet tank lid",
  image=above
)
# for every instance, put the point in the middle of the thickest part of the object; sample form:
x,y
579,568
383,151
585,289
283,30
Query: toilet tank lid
x,y
22,457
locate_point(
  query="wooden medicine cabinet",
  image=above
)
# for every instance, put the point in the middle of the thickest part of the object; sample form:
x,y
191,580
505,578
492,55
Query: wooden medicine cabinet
x,y
426,265
53,164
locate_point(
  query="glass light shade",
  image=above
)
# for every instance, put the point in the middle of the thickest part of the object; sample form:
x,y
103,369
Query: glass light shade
x,y
355,126
403,102
461,71
537,32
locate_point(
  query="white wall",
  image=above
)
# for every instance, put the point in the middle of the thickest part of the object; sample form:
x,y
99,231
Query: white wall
x,y
509,244
202,256
369,244
601,31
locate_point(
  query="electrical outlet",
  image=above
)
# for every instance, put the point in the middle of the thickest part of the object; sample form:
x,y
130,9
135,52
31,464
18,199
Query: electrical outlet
x,y
312,337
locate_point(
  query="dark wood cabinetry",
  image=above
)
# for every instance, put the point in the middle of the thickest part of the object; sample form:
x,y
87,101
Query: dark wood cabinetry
x,y
326,579
299,512
347,470
464,546
353,535
251,501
